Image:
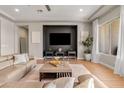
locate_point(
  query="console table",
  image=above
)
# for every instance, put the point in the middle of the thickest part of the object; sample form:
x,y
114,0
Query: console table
x,y
72,54
59,53
69,54
49,53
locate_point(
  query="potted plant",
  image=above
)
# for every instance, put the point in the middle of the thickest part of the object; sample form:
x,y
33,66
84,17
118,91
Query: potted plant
x,y
88,44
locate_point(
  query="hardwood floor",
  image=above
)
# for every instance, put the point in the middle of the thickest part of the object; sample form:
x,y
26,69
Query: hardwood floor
x,y
104,73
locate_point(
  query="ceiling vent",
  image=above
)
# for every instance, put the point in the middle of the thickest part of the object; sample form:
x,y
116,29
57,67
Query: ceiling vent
x,y
39,11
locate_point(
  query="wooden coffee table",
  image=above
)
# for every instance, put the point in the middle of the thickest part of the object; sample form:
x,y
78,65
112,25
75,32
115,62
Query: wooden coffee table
x,y
50,71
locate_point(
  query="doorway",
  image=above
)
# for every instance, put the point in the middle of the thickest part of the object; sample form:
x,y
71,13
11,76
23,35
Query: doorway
x,y
23,39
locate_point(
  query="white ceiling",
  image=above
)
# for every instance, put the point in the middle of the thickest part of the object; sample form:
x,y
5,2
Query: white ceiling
x,y
57,13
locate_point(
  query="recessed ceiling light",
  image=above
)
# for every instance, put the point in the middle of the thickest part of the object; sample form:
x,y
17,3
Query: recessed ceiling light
x,y
16,10
81,10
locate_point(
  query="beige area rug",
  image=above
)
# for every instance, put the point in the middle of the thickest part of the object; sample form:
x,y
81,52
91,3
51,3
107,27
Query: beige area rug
x,y
33,76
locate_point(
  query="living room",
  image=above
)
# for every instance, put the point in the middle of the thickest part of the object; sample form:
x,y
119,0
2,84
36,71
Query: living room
x,y
61,46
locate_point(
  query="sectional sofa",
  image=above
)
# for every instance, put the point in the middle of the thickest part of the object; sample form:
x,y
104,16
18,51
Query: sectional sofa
x,y
11,73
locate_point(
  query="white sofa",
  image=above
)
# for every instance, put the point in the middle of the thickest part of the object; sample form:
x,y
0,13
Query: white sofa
x,y
97,83
10,74
23,85
84,81
13,72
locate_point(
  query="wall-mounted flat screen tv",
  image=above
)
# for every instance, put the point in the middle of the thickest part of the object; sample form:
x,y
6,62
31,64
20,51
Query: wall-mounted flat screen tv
x,y
60,38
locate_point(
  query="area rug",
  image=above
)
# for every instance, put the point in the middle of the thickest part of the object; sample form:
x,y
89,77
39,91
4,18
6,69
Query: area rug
x,y
33,76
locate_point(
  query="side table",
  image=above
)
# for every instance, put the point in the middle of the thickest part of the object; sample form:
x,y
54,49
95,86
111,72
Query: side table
x,y
59,53
72,54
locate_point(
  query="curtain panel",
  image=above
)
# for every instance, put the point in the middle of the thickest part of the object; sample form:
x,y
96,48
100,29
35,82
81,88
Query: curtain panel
x,y
119,64
95,47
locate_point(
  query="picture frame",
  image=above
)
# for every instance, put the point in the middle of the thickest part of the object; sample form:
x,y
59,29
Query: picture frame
x,y
36,37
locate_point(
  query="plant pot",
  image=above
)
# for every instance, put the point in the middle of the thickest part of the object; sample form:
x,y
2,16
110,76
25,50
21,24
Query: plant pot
x,y
87,56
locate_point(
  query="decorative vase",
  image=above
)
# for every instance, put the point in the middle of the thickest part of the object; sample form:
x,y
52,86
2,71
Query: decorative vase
x,y
60,49
87,56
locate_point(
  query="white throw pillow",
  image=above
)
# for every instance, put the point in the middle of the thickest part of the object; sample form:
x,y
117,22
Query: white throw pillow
x,y
20,58
88,83
27,57
65,82
50,85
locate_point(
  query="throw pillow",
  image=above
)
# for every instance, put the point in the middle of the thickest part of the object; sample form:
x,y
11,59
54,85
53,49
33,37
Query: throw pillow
x,y
27,57
84,77
64,82
88,83
49,85
20,58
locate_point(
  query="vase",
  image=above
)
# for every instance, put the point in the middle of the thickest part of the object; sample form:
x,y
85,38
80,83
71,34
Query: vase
x,y
60,49
87,57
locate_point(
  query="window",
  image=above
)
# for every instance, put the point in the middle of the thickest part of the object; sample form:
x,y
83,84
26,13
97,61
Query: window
x,y
108,37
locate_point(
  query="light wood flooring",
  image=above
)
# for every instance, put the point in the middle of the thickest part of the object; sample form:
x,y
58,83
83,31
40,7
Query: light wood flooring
x,y
104,73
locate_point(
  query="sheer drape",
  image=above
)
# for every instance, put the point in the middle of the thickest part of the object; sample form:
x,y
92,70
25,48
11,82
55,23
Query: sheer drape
x,y
119,64
95,41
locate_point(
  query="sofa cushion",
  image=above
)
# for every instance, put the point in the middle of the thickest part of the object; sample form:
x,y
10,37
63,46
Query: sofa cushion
x,y
6,61
23,85
3,58
18,73
13,73
10,73
2,80
27,57
65,82
88,83
31,64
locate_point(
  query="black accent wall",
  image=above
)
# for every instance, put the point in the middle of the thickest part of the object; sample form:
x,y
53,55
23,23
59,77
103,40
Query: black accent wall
x,y
72,29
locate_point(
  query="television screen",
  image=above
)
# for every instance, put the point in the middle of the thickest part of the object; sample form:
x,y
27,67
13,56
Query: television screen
x,y
60,38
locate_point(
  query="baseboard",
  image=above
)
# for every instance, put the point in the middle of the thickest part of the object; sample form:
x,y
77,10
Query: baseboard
x,y
80,58
107,65
39,58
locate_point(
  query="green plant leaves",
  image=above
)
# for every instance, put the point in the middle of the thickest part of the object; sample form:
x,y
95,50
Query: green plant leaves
x,y
88,43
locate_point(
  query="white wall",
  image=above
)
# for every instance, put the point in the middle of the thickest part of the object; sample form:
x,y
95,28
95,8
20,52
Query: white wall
x,y
16,40
7,36
37,49
114,13
106,59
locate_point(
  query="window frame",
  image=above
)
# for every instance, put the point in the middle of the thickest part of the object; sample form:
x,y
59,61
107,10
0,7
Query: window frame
x,y
110,35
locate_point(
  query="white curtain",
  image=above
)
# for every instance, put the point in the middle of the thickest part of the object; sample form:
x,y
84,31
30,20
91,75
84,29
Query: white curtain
x,y
95,41
119,64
